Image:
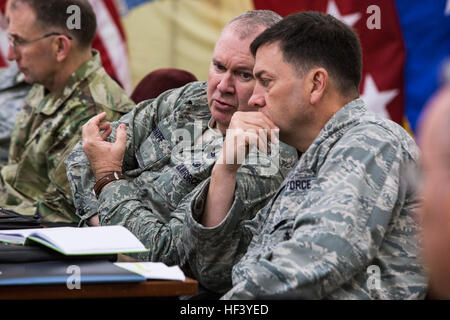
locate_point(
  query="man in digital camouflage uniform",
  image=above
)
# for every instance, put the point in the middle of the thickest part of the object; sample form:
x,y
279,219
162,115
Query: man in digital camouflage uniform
x,y
13,91
160,168
341,225
70,86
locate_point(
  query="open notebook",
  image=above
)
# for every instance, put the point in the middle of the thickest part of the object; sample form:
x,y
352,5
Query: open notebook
x,y
78,241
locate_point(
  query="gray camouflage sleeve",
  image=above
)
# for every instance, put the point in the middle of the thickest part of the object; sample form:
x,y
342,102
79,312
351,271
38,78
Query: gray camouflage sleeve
x,y
81,181
140,122
122,205
162,235
212,252
127,202
79,172
337,229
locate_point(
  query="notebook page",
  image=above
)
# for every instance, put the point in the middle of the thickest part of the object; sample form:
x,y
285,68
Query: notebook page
x,y
92,240
15,236
154,270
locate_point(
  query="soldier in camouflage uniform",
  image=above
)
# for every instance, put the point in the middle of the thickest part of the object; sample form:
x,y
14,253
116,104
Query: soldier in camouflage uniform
x,y
161,169
13,90
70,86
341,226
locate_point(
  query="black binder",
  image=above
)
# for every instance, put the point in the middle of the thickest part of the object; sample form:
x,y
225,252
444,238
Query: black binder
x,y
13,220
65,272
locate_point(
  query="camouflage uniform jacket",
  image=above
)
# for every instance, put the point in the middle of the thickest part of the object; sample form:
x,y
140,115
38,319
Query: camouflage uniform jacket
x,y
46,130
159,175
13,91
343,208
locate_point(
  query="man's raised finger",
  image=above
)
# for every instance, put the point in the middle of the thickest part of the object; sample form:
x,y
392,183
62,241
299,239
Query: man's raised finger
x,y
121,136
96,120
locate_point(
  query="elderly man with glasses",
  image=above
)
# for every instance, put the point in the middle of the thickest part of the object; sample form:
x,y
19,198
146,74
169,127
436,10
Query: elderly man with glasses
x,y
69,87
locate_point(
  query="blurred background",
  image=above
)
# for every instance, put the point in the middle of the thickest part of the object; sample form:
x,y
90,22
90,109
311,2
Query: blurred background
x,y
405,43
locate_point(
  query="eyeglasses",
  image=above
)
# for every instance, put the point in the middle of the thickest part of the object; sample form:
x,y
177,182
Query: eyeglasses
x,y
17,42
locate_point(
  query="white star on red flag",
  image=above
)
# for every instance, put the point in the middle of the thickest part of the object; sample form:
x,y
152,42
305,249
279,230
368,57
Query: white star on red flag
x,y
377,100
348,19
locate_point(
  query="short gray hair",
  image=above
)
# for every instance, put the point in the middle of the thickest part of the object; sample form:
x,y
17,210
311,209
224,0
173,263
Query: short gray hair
x,y
247,23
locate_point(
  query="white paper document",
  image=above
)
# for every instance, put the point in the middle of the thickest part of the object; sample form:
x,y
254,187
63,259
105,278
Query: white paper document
x,y
154,270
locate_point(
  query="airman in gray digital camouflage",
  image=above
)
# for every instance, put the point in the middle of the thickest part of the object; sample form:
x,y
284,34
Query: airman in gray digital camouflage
x,y
167,146
13,91
70,86
342,224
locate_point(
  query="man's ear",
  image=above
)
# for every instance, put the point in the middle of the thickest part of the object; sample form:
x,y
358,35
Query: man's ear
x,y
318,78
63,46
